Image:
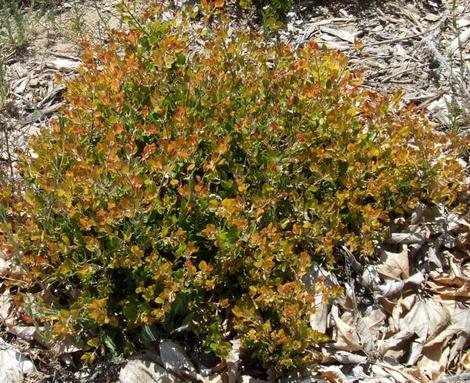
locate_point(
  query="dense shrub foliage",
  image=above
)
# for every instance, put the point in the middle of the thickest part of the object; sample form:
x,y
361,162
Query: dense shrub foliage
x,y
190,184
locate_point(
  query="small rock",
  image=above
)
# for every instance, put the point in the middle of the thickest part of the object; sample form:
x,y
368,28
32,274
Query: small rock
x,y
216,378
140,371
400,52
34,83
464,22
13,365
249,379
174,357
21,87
432,17
63,64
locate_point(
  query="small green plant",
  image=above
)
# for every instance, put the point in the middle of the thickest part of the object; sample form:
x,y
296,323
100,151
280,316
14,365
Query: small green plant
x,y
103,24
190,188
15,29
18,20
4,87
79,25
5,154
274,12
459,72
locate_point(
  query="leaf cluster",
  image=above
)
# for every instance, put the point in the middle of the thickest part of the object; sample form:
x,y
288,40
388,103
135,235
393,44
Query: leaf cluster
x,y
191,186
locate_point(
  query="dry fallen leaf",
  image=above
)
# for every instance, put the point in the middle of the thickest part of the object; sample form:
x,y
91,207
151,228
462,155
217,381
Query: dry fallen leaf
x,y
333,355
319,319
5,308
399,373
384,346
333,374
367,341
450,287
392,288
346,337
407,238
427,317
433,361
395,266
465,362
375,320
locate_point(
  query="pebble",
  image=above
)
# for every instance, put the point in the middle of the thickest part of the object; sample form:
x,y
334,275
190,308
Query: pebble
x,y
14,366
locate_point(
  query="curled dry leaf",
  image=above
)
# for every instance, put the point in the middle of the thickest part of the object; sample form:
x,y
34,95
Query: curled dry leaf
x,y
384,346
461,320
375,320
402,306
460,343
318,320
427,317
382,375
342,357
407,238
346,337
67,346
342,34
367,341
448,286
434,256
460,324
459,41
29,333
333,374
425,213
433,361
399,373
390,289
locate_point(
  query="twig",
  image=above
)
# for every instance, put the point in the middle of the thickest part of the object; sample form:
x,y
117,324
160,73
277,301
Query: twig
x,y
460,378
399,73
8,152
398,39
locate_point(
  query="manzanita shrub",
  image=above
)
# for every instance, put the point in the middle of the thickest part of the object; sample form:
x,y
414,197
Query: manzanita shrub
x,y
194,179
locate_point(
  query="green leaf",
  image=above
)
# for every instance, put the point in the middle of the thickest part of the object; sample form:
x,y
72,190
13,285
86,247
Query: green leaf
x,y
149,333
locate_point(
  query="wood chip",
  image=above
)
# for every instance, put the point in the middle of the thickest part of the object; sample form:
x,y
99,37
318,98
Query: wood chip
x,y
63,64
342,34
459,41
